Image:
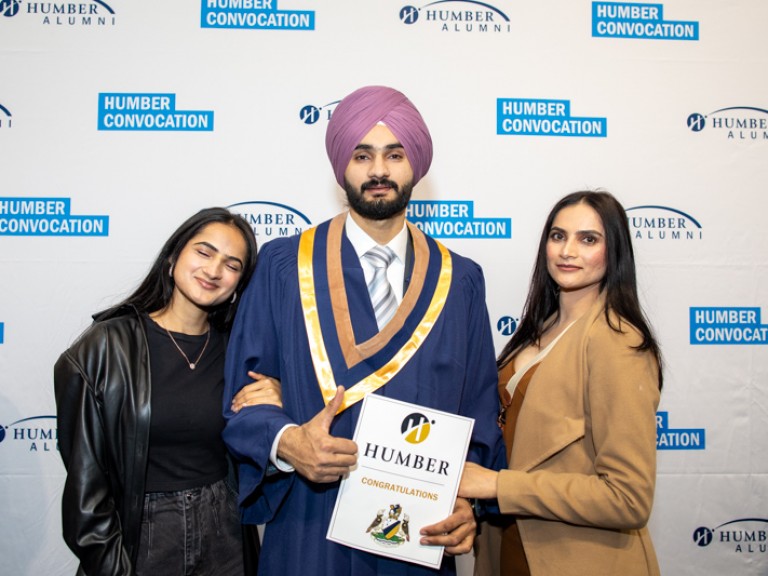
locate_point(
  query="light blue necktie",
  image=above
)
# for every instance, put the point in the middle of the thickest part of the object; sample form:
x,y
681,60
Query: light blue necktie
x,y
379,288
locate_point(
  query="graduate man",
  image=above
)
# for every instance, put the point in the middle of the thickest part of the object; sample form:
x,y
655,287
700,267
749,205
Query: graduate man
x,y
319,317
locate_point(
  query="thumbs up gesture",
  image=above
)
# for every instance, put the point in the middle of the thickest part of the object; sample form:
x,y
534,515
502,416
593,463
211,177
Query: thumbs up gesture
x,y
313,452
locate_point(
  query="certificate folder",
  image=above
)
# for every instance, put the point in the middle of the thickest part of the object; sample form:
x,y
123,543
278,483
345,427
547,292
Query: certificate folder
x,y
410,460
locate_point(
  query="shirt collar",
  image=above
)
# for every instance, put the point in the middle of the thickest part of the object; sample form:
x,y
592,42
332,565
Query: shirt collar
x,y
361,242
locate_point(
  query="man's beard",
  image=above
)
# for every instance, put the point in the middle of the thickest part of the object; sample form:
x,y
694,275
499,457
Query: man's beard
x,y
379,208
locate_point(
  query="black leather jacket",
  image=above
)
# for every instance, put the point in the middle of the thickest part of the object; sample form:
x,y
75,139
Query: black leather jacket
x,y
102,386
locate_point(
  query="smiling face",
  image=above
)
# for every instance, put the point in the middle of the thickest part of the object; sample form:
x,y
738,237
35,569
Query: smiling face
x,y
379,177
576,250
209,267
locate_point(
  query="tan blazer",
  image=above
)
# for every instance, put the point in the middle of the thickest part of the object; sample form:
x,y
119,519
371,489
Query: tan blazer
x,y
583,467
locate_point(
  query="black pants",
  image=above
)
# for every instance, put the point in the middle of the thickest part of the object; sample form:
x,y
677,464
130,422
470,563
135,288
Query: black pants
x,y
193,532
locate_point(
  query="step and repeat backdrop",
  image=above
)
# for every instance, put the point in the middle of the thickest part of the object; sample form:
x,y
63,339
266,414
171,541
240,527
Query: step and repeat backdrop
x,y
120,118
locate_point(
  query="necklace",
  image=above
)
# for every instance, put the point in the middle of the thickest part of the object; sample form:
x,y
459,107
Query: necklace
x,y
192,365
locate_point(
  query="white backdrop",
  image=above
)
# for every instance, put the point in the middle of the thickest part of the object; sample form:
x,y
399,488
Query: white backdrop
x,y
665,105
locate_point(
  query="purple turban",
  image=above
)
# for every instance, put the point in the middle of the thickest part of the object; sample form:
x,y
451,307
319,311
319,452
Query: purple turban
x,y
359,112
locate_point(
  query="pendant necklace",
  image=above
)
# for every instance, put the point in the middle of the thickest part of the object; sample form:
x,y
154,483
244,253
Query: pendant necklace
x,y
192,365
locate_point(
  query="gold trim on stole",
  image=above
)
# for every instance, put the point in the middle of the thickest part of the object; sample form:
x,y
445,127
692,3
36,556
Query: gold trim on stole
x,y
320,361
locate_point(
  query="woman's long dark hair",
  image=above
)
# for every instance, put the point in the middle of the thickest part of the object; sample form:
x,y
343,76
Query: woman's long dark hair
x,y
619,283
155,291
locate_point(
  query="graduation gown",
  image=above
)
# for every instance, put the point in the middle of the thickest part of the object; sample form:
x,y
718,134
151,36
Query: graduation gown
x,y
452,370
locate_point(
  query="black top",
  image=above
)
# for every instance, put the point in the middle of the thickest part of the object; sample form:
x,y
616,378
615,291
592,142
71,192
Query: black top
x,y
185,446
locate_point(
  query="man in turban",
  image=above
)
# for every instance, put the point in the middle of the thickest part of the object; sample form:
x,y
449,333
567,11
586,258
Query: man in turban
x,y
364,303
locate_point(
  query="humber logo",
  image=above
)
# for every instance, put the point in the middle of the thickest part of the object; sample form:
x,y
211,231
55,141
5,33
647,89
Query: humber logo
x,y
639,21
83,13
34,434
743,535
458,16
47,216
545,117
253,15
507,325
735,122
310,114
271,220
415,428
9,8
652,222
149,111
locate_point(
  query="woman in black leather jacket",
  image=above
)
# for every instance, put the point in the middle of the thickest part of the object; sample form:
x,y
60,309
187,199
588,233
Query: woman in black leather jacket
x,y
139,407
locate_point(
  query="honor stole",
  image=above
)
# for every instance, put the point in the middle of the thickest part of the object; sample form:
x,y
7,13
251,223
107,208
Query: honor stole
x,y
309,253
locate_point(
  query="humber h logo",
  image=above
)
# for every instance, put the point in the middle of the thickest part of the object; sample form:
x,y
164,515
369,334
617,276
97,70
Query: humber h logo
x,y
415,428
702,536
9,8
696,122
311,114
507,325
409,14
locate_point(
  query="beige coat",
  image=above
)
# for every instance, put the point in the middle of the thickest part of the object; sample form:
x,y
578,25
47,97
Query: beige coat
x,y
583,466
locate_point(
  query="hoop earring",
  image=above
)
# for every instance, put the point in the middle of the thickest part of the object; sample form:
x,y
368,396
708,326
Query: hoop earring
x,y
234,297
170,271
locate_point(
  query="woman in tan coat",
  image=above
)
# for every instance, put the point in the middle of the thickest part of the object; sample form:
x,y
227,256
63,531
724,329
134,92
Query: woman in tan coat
x,y
579,384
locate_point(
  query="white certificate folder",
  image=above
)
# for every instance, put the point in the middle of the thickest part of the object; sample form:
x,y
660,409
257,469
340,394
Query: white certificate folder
x,y
409,464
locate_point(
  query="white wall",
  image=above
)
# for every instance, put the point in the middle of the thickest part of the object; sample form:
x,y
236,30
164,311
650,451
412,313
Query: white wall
x,y
255,82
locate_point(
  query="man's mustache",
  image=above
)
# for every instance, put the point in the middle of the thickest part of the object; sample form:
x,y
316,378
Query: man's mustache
x,y
373,183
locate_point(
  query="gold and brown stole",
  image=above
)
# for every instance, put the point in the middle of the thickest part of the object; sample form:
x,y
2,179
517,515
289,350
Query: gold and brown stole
x,y
353,352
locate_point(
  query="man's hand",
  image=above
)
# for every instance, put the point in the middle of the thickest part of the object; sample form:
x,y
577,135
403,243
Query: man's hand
x,y
456,533
313,452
